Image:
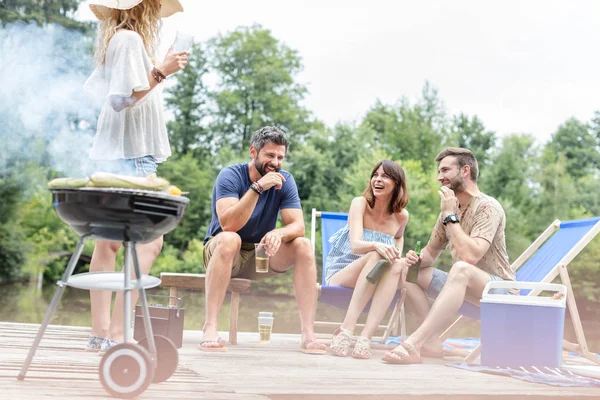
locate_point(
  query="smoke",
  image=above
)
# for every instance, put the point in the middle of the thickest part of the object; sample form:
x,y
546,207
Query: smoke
x,y
45,116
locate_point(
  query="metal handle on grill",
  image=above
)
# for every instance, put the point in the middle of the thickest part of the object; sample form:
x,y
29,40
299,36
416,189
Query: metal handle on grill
x,y
145,207
166,297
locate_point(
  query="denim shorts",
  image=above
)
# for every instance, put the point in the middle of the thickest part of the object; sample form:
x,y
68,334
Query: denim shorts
x,y
439,278
141,166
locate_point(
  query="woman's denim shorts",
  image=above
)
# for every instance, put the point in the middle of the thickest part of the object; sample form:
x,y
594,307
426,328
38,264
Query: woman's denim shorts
x,y
141,166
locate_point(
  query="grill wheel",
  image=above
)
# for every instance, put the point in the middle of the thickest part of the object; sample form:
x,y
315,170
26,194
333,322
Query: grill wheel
x,y
126,370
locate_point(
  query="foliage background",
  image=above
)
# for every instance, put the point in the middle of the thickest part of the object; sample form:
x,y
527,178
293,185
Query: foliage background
x,y
256,85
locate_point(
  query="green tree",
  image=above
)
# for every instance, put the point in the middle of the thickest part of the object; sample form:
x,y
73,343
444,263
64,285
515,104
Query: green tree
x,y
409,131
61,12
321,164
589,194
557,194
471,134
257,87
197,177
188,99
576,141
509,174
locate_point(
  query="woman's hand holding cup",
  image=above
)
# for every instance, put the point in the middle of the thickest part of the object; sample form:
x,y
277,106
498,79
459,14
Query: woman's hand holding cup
x,y
174,62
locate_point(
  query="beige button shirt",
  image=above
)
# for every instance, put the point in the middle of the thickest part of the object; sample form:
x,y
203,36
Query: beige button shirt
x,y
483,217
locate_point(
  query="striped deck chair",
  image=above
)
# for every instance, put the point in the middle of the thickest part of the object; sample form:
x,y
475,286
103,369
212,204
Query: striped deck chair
x,y
546,258
339,296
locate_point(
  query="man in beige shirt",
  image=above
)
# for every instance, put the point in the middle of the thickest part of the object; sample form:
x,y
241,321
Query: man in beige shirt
x,y
472,224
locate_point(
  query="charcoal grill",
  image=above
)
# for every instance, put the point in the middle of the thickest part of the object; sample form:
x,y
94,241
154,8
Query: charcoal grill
x,y
130,216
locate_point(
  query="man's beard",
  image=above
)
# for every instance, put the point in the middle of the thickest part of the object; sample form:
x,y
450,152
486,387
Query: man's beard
x,y
261,168
457,185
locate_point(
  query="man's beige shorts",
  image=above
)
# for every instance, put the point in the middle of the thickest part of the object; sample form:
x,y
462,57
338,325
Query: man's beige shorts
x,y
245,266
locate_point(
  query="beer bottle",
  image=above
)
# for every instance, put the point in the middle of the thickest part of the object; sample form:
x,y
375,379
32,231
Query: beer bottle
x,y
378,270
413,270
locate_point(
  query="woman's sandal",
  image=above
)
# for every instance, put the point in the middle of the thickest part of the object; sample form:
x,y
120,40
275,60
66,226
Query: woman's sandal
x,y
213,345
399,357
361,348
340,343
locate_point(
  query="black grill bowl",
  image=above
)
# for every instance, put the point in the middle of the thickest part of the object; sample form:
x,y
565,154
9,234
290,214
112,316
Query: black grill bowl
x,y
119,214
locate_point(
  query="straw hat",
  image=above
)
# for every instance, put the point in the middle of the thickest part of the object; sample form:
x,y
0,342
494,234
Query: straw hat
x,y
101,8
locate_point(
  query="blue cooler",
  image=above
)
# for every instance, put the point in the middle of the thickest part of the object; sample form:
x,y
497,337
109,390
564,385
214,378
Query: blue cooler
x,y
521,331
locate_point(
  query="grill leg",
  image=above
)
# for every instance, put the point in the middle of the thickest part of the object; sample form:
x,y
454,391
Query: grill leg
x,y
144,301
53,305
127,292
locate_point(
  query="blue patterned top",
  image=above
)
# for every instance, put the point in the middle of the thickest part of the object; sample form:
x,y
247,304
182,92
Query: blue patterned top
x,y
341,254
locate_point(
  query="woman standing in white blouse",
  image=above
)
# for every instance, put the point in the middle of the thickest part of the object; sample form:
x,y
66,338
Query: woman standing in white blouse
x,y
131,137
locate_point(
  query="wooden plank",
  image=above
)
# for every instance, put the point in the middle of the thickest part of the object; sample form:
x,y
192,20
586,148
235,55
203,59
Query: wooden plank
x,y
253,371
197,281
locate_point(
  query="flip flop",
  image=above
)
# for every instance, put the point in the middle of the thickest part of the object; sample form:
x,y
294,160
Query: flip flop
x,y
213,345
322,349
397,357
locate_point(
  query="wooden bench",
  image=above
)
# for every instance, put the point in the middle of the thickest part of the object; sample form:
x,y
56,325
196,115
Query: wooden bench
x,y
176,281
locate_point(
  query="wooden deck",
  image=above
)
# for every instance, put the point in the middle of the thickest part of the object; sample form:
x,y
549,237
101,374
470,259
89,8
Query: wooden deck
x,y
249,370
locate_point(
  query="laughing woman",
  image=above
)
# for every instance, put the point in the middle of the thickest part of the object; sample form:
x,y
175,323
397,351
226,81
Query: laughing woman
x,y
375,231
131,136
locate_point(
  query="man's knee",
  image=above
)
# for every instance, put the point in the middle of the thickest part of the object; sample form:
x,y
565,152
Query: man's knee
x,y
302,247
228,243
460,271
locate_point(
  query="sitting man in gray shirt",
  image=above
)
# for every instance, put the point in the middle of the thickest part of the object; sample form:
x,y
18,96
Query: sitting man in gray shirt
x,y
472,224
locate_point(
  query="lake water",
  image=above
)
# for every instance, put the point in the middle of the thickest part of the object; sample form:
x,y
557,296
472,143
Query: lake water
x,y
24,303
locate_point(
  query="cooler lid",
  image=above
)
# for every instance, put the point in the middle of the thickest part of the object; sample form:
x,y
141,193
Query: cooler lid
x,y
532,299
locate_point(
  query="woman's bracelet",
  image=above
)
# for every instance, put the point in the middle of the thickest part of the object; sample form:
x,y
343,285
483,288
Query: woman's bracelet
x,y
158,75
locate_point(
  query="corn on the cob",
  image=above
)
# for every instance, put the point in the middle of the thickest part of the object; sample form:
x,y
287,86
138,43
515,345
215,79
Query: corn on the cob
x,y
104,179
174,190
68,183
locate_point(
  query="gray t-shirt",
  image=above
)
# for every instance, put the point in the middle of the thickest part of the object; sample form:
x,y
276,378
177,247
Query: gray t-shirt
x,y
234,181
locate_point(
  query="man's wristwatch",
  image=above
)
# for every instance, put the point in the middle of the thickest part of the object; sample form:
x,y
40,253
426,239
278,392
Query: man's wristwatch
x,y
452,218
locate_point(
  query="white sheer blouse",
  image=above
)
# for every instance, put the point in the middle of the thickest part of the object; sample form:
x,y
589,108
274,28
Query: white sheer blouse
x,y
135,131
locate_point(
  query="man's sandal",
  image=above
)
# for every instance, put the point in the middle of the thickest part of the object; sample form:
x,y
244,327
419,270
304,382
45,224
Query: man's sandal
x,y
213,345
361,348
340,342
399,357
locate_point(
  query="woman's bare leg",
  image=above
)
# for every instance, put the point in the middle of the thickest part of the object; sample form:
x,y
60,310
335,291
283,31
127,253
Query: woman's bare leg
x,y
363,291
147,253
384,293
103,259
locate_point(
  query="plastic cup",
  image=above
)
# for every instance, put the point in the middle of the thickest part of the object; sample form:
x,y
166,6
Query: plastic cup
x,y
265,326
262,259
182,42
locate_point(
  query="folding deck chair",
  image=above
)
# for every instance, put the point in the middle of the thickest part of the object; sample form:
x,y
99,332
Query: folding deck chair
x,y
339,296
546,258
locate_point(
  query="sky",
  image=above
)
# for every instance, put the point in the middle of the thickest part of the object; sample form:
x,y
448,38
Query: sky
x,y
520,66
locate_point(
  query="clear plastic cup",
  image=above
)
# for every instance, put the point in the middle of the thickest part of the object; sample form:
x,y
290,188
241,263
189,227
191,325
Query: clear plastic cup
x,y
262,259
182,42
265,326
